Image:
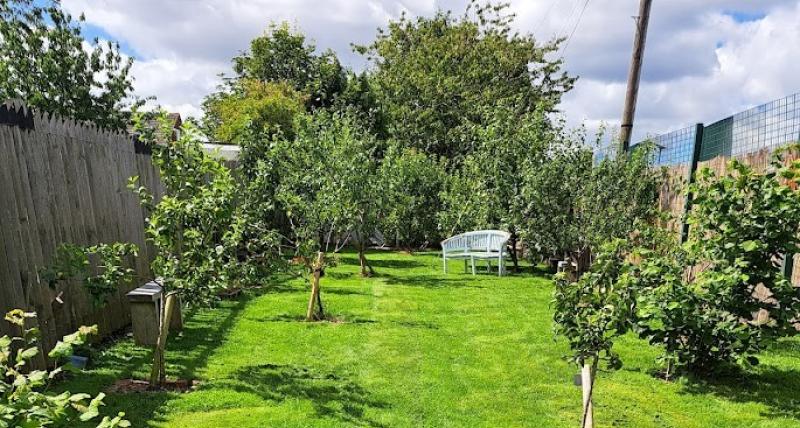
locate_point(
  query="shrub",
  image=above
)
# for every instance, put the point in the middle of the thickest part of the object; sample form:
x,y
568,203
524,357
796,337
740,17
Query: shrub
x,y
722,297
73,262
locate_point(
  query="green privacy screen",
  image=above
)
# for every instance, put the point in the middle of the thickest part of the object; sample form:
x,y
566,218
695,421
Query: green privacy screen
x,y
717,139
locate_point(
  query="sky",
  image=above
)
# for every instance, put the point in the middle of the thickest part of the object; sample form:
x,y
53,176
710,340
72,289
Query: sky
x,y
704,60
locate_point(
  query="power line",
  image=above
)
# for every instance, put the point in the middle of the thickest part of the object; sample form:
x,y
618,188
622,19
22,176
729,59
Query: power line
x,y
575,28
568,21
546,14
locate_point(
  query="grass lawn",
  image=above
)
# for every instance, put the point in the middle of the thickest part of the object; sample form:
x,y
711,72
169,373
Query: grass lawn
x,y
417,348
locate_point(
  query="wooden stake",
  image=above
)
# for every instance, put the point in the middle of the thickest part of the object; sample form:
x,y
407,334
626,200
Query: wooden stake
x,y
587,383
159,374
315,299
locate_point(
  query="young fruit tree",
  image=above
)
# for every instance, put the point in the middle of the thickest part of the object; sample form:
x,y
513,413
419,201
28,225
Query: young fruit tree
x,y
204,242
591,313
329,192
488,190
573,205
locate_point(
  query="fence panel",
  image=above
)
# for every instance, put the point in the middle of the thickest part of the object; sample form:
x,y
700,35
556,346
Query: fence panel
x,y
65,182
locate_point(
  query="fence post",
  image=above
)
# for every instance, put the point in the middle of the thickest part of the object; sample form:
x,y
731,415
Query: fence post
x,y
787,266
687,205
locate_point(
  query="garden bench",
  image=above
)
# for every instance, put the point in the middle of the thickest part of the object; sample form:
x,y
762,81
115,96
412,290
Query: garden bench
x,y
481,245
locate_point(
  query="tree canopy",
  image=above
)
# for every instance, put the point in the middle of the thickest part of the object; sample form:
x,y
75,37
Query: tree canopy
x,y
45,60
437,77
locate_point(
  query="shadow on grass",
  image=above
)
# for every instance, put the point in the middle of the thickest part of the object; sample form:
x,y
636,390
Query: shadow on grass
x,y
772,386
344,291
330,394
417,324
382,263
429,281
329,318
204,331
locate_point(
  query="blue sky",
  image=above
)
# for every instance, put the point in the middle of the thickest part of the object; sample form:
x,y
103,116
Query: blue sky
x,y
704,60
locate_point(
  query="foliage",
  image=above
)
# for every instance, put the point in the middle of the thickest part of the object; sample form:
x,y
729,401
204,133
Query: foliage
x,y
203,243
45,60
282,55
721,298
574,205
360,98
24,397
437,77
592,311
75,262
327,187
488,190
251,107
412,182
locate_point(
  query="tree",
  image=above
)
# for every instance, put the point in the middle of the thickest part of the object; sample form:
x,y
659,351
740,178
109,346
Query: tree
x,y
328,192
510,147
282,55
437,77
45,60
574,205
591,312
250,111
204,242
412,183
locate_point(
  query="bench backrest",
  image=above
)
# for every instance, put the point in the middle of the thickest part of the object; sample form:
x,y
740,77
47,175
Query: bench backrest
x,y
488,241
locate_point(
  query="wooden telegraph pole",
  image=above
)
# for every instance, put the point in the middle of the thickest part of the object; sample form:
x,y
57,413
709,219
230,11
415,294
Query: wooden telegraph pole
x,y
629,112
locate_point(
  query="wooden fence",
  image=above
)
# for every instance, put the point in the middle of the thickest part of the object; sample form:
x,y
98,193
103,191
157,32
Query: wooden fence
x,y
66,182
672,197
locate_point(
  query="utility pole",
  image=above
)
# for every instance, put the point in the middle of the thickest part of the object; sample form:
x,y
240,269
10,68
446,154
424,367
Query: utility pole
x,y
629,112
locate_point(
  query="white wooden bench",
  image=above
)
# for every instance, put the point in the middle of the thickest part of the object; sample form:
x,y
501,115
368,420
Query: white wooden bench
x,y
481,245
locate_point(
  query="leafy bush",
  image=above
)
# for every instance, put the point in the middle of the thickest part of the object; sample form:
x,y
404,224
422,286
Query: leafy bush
x,y
74,262
24,400
721,298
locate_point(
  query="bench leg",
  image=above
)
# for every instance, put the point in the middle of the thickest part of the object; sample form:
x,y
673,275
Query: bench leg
x,y
488,265
472,260
500,266
444,262
465,265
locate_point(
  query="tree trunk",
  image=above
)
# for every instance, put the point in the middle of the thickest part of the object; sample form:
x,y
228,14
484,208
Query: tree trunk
x,y
158,374
366,269
587,384
315,310
514,257
582,259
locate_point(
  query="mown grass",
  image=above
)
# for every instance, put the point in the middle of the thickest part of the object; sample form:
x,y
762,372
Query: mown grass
x,y
413,347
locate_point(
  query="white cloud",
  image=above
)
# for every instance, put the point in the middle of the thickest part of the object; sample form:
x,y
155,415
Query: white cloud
x,y
701,64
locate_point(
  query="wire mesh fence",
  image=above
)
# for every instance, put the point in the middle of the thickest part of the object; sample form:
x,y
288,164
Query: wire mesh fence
x,y
767,126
